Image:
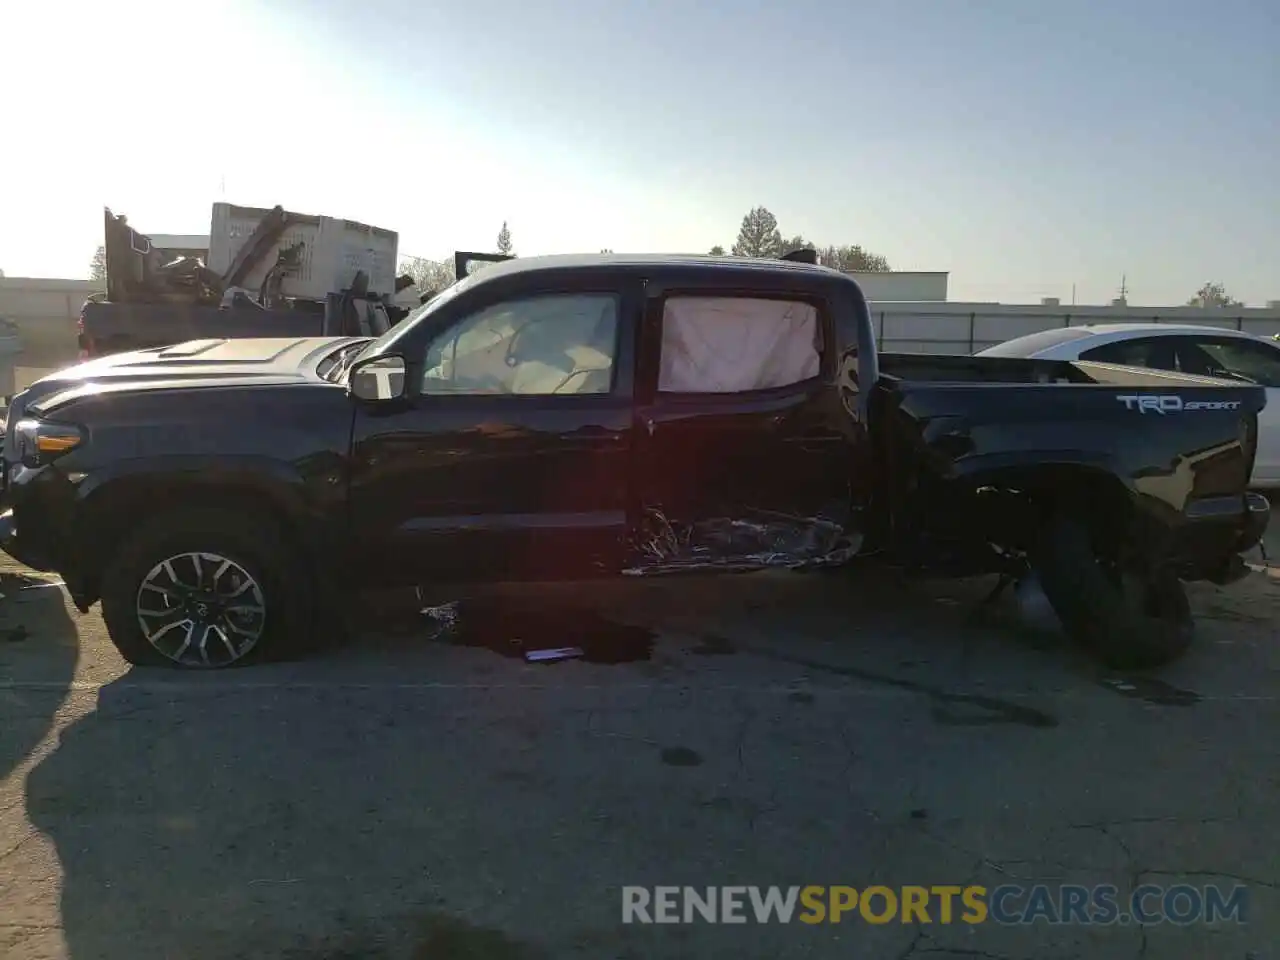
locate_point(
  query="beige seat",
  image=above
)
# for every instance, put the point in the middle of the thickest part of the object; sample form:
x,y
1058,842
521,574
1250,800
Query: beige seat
x,y
592,372
537,378
587,356
593,361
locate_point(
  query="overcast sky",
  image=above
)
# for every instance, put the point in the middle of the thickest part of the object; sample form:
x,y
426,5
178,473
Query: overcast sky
x,y
1022,146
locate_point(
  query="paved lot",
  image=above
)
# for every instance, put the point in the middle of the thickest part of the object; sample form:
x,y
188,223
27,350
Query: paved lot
x,y
411,798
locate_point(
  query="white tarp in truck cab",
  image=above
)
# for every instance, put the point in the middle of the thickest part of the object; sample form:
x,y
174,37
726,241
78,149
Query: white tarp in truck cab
x,y
730,345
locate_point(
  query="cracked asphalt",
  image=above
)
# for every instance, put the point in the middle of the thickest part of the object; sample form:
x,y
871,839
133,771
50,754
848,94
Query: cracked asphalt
x,y
404,797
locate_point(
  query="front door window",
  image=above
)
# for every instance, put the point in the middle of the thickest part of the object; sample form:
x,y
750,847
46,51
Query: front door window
x,y
551,345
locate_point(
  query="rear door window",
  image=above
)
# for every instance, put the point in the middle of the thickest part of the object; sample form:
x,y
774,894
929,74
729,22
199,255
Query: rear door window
x,y
725,345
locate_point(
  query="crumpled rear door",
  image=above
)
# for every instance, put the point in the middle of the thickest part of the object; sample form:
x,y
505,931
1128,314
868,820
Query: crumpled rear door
x,y
743,453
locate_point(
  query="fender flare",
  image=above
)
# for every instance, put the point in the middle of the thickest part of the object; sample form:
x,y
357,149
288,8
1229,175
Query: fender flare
x,y
278,483
1036,460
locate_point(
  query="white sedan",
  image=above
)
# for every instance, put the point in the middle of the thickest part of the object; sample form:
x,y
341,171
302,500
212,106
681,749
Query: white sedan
x,y
1207,351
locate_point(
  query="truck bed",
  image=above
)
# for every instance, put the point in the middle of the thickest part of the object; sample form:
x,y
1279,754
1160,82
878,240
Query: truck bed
x,y
1177,444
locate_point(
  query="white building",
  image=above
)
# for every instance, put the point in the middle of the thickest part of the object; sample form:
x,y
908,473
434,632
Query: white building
x,y
912,286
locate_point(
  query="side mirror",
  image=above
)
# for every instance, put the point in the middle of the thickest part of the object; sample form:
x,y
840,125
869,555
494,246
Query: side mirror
x,y
378,379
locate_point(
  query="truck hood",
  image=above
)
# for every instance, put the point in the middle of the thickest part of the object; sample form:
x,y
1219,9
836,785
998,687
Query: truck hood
x,y
196,363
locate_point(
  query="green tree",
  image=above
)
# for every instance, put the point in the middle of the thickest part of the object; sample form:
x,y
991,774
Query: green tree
x,y
796,243
1213,295
429,276
605,250
852,259
716,251
759,235
98,265
504,241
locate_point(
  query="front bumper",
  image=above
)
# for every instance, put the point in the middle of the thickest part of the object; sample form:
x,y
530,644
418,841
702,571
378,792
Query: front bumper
x,y
38,527
24,551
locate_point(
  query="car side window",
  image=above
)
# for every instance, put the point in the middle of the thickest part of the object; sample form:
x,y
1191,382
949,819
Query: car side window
x,y
558,344
1258,362
1156,353
737,344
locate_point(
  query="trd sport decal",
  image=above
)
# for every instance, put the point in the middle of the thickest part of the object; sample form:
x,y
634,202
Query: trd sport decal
x,y
1171,403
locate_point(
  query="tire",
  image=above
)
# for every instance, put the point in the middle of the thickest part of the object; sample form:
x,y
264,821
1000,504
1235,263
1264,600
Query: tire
x,y
1126,622
140,597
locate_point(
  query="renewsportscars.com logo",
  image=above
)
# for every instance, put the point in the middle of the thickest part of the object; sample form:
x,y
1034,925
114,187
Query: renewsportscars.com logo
x,y
1008,905
1171,403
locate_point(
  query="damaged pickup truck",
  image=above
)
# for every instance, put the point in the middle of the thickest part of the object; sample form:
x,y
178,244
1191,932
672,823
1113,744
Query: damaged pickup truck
x,y
590,416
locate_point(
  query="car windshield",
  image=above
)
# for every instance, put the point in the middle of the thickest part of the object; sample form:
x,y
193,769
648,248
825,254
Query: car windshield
x,y
1256,361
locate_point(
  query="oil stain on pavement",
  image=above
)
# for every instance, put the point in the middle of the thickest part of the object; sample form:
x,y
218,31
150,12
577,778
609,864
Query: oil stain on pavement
x,y
523,631
515,630
681,757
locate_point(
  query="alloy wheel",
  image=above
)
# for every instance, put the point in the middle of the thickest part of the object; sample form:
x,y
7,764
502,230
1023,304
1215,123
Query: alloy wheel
x,y
201,610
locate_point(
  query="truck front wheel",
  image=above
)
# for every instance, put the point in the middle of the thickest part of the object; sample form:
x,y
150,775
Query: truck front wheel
x,y
1126,620
204,589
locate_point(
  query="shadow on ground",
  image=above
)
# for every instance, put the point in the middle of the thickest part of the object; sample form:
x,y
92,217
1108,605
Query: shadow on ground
x,y
39,649
412,800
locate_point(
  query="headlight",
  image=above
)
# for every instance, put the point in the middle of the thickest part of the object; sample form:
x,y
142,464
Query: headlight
x,y
40,442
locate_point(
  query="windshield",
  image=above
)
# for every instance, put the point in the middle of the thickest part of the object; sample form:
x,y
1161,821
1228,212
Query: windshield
x,y
386,343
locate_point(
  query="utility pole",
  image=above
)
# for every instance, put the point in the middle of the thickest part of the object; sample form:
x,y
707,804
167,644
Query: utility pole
x,y
1124,290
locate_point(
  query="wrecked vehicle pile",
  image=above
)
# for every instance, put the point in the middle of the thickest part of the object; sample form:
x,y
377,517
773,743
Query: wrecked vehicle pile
x,y
574,417
271,273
